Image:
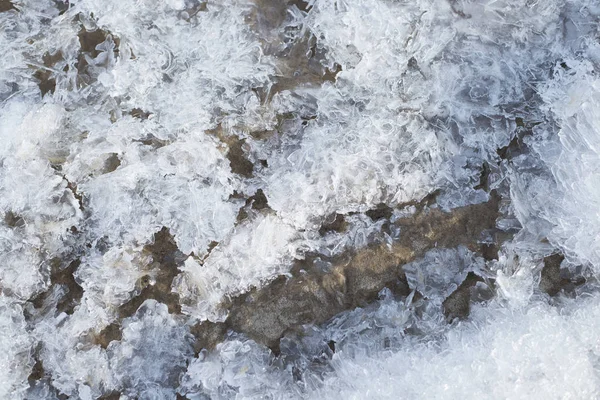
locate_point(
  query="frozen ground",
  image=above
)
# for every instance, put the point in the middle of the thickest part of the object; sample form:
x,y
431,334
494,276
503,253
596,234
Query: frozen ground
x,y
290,199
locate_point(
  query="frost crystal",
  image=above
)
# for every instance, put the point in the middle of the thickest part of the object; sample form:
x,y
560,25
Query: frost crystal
x,y
267,199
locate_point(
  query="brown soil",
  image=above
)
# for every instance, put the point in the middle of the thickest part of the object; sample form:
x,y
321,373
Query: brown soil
x,y
314,296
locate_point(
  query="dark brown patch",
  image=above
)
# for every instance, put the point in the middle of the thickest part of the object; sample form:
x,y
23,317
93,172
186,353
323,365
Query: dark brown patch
x,y
458,304
153,141
551,281
46,84
88,41
258,201
301,4
114,395
112,163
62,6
207,335
7,5
382,211
45,76
108,334
315,295
489,251
331,345
303,65
235,154
334,223
73,188
237,159
484,178
37,372
166,259
516,145
507,151
139,113
13,220
63,276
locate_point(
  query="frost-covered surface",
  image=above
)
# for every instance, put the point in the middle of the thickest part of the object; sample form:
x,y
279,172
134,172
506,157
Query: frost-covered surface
x,y
257,251
162,161
441,271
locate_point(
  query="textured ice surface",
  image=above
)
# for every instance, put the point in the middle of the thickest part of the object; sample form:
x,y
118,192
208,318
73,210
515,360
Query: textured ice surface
x,y
505,351
439,273
258,251
567,196
154,349
16,349
265,139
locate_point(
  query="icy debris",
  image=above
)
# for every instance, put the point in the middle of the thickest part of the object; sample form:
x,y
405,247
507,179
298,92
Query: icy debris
x,y
534,352
338,168
154,350
407,115
441,271
110,279
184,186
66,348
561,202
37,206
239,368
16,347
106,109
198,79
256,252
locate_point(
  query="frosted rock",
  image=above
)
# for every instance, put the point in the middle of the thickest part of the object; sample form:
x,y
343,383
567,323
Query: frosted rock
x,y
257,252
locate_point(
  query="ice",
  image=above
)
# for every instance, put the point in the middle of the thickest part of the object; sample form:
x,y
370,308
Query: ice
x,y
535,353
237,370
151,189
509,349
15,345
257,252
561,203
154,350
122,119
121,267
37,206
66,350
441,271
